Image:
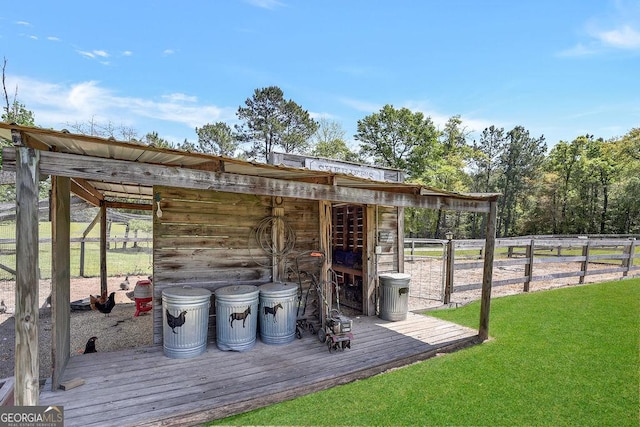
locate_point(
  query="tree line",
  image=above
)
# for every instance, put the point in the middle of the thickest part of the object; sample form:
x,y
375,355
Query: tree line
x,y
585,186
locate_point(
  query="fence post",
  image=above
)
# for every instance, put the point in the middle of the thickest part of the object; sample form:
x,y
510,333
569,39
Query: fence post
x,y
528,268
627,262
448,286
82,258
585,263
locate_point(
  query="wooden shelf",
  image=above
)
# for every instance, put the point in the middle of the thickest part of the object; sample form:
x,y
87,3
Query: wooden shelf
x,y
347,270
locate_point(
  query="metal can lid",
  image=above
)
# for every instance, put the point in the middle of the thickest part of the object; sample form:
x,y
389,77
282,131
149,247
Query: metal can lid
x,y
237,290
278,289
187,292
395,276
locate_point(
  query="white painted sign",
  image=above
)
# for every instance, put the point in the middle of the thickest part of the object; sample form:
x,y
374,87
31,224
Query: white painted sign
x,y
344,168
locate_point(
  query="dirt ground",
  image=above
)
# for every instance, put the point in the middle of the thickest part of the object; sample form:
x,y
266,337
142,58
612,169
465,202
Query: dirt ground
x,y
120,329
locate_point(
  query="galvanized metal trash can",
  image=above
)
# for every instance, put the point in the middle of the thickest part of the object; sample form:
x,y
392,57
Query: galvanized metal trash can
x,y
394,296
236,317
185,321
277,317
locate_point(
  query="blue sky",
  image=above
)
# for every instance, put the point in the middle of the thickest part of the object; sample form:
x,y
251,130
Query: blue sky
x,y
560,68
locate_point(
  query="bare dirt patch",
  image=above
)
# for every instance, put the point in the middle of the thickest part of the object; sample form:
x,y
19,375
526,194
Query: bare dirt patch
x,y
120,329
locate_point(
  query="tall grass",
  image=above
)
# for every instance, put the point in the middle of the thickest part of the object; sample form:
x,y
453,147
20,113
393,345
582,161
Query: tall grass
x,y
565,357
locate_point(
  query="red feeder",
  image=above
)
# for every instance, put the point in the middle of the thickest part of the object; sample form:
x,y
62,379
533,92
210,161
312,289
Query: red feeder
x,y
143,296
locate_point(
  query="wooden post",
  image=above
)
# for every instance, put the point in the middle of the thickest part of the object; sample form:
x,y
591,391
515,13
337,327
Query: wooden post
x,y
448,287
60,277
528,269
487,275
277,239
628,262
369,271
103,246
400,243
27,362
325,216
584,266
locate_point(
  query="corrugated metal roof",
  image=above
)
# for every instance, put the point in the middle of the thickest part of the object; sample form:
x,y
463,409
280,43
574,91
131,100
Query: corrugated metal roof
x,y
64,142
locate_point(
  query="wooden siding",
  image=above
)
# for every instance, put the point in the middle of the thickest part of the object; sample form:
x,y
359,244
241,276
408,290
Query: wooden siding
x,y
387,239
207,239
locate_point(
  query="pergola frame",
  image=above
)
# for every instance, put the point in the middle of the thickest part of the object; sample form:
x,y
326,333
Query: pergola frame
x,y
102,171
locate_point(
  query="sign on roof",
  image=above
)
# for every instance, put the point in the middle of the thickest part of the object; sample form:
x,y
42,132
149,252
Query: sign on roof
x,y
360,171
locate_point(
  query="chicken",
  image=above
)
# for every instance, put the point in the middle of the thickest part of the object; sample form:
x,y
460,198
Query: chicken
x,y
3,308
124,285
101,299
91,345
108,305
131,295
175,321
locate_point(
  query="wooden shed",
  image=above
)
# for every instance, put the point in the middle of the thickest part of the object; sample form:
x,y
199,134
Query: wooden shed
x,y
216,221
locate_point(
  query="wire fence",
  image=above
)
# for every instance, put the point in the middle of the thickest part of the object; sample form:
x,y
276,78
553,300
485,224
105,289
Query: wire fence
x,y
129,249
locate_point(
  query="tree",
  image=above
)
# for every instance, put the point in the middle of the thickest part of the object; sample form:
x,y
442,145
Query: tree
x,y
104,130
329,142
485,158
400,139
520,161
218,139
14,111
154,140
271,122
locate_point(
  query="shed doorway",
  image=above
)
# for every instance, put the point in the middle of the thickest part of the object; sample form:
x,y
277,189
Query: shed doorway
x,y
348,246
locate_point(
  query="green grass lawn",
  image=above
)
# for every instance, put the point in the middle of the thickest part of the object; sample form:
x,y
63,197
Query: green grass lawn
x,y
565,357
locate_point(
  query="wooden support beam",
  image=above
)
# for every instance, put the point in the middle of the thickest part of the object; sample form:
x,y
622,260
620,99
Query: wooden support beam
x,y
126,172
369,273
60,277
278,240
325,219
487,275
90,195
400,242
103,247
27,363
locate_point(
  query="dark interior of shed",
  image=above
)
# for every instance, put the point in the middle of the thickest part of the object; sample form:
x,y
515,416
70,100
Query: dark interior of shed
x,y
348,246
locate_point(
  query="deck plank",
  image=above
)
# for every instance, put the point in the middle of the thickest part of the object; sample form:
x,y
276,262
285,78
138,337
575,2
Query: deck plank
x,y
143,387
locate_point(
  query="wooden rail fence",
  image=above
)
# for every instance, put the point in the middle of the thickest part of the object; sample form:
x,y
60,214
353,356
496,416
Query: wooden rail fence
x,y
530,259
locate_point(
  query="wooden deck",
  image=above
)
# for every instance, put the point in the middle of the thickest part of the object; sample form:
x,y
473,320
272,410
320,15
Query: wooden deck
x,y
141,386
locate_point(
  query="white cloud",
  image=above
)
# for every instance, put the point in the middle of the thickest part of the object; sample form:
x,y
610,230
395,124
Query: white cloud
x,y
578,50
364,106
53,39
266,4
620,38
127,53
23,23
32,37
101,53
54,105
180,97
168,52
86,54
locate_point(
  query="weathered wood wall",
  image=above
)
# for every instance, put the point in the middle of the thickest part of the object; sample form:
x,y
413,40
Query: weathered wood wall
x,y
207,239
387,240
